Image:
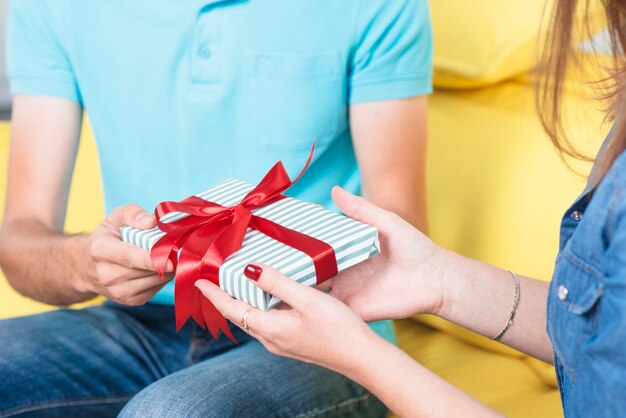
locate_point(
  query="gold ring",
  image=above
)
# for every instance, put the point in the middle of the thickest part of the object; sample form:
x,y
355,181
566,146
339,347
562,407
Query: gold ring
x,y
244,321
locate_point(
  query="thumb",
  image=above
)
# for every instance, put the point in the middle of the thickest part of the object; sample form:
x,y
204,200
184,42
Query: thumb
x,y
135,216
358,208
277,284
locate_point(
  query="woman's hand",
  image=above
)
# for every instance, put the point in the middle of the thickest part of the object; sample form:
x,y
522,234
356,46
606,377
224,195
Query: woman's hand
x,y
405,279
319,329
398,283
314,327
311,326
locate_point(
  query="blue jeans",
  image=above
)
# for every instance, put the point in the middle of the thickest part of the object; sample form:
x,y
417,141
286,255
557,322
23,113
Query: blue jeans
x,y
112,359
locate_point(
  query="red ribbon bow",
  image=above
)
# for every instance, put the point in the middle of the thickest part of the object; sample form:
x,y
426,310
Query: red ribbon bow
x,y
198,244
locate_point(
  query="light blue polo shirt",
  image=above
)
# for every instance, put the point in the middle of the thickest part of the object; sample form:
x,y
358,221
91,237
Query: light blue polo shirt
x,y
182,95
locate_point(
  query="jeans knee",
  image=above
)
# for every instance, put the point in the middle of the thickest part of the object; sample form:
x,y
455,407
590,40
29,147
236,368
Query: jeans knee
x,y
186,401
151,403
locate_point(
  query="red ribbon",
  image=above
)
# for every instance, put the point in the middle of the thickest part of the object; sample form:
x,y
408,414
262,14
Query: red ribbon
x,y
198,244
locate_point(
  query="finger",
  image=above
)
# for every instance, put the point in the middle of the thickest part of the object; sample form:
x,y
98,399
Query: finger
x,y
110,273
279,285
134,287
132,215
257,323
143,297
165,279
358,208
231,308
123,254
325,286
128,294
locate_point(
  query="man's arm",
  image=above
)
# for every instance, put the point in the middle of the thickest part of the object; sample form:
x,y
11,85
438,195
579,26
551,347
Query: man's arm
x,y
38,259
390,142
33,250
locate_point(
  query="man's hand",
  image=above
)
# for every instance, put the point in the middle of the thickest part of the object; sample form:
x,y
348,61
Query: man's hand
x,y
39,260
122,272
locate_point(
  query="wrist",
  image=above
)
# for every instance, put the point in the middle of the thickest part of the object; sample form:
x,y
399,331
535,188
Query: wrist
x,y
359,356
373,363
449,282
82,280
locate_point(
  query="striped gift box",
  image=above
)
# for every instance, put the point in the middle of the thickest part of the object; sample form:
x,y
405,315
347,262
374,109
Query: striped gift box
x,y
352,241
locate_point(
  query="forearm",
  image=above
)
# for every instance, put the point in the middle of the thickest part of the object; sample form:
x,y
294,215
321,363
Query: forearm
x,y
480,297
409,206
407,387
43,264
390,140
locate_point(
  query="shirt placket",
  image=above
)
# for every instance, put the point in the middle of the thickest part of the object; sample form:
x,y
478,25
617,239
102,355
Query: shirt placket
x,y
572,218
205,50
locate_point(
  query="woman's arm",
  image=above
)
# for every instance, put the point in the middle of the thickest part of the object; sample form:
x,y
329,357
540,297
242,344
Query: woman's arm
x,y
408,388
319,329
480,297
413,276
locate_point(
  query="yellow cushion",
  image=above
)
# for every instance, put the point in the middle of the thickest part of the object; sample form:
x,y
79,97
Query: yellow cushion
x,y
482,42
85,211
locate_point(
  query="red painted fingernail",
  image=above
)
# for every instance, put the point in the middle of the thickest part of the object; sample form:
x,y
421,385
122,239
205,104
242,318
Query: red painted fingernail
x,y
253,272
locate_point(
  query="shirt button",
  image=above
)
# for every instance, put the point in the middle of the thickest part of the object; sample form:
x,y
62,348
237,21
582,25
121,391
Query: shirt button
x,y
576,215
204,51
562,292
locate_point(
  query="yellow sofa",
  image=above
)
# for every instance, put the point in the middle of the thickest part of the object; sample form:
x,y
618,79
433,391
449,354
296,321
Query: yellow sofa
x,y
497,190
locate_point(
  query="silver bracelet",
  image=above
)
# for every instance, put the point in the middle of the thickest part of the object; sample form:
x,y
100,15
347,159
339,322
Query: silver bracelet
x,y
513,311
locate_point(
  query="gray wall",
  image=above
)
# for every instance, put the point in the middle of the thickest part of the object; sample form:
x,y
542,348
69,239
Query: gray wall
x,y
4,87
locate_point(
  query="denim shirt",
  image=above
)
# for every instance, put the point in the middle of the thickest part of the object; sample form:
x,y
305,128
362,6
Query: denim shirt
x,y
587,301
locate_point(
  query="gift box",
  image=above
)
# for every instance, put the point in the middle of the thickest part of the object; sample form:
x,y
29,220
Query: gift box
x,y
215,234
351,240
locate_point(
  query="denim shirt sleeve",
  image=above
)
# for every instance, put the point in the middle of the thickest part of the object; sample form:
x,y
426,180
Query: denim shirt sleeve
x,y
587,304
607,371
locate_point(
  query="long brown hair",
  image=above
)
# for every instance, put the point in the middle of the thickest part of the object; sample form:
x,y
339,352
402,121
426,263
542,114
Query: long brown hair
x,y
557,59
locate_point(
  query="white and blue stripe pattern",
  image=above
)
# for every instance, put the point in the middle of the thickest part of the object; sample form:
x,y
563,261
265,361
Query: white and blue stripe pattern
x,y
352,241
